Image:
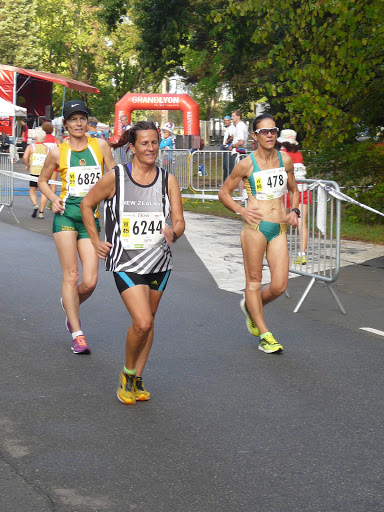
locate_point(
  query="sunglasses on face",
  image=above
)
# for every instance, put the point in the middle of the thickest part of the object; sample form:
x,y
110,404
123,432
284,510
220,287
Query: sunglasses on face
x,y
265,131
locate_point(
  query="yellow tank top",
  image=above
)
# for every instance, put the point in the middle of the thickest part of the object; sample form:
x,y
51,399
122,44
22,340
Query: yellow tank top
x,y
80,170
37,158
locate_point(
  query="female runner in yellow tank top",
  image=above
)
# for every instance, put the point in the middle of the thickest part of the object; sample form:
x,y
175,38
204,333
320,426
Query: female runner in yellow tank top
x,y
80,161
266,174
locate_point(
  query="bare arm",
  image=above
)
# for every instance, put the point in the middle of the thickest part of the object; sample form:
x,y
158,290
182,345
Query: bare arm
x,y
292,217
177,217
26,156
103,189
51,163
107,154
241,170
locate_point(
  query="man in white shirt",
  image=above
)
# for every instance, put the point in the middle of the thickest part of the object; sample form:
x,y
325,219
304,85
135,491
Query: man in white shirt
x,y
228,137
240,138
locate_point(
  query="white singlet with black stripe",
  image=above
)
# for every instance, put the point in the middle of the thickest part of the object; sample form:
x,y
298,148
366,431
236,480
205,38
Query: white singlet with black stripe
x,y
131,199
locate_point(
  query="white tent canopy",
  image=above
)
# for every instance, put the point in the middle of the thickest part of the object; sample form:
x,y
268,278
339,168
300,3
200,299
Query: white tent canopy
x,y
8,109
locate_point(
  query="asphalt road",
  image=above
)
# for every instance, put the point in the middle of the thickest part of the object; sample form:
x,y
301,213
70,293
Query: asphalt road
x,y
228,428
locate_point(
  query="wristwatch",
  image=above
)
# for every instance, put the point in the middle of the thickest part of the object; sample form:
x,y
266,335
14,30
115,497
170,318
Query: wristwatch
x,y
297,211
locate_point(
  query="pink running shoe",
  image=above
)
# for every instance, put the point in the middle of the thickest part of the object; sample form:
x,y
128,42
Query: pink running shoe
x,y
79,345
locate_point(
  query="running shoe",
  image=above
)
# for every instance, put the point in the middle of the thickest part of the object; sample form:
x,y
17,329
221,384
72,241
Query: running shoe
x,y
35,209
251,326
49,206
41,215
269,345
79,345
125,392
301,259
140,392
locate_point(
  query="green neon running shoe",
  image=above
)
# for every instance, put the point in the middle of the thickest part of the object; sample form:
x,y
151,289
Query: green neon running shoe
x,y
269,345
251,326
301,259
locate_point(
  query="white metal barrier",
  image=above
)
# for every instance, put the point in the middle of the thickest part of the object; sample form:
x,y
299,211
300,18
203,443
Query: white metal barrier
x,y
323,220
6,182
176,162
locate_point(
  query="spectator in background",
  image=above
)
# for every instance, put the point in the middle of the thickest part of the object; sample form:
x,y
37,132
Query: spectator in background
x,y
51,142
167,143
289,145
34,158
24,135
4,143
124,123
227,139
92,128
238,145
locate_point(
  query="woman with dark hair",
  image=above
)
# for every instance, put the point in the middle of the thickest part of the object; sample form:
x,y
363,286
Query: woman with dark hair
x,y
266,174
290,146
139,198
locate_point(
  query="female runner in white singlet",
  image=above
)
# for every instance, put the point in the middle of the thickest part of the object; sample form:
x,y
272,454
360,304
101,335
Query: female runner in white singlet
x,y
139,197
266,173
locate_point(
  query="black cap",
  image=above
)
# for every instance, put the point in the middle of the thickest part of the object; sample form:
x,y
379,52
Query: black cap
x,y
70,107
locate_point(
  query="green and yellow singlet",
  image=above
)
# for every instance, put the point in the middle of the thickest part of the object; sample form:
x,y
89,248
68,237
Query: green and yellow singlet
x,y
79,170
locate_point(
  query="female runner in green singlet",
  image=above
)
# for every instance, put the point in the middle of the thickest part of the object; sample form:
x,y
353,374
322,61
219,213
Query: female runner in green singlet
x,y
266,174
80,161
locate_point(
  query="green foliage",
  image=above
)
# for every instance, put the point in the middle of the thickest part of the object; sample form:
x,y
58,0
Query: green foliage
x,y
18,33
373,197
318,59
359,170
163,25
78,42
357,164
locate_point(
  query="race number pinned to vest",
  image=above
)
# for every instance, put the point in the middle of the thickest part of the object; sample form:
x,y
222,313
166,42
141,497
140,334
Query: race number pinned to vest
x,y
142,230
271,183
81,179
38,159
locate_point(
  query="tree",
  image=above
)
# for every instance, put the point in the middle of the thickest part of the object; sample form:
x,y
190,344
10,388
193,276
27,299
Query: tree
x,y
318,59
18,33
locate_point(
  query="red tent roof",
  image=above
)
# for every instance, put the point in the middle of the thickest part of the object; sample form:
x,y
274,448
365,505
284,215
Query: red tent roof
x,y
52,77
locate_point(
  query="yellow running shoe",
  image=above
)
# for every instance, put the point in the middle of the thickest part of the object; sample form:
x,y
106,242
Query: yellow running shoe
x,y
301,259
269,345
140,392
125,391
251,326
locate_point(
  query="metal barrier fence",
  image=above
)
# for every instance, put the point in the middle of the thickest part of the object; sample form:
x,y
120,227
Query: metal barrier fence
x,y
176,162
201,171
206,173
120,155
6,180
322,216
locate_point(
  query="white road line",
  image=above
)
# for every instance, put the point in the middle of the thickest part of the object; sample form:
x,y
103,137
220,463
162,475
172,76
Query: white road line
x,y
375,331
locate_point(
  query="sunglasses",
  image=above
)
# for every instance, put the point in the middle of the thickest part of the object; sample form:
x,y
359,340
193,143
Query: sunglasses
x,y
265,131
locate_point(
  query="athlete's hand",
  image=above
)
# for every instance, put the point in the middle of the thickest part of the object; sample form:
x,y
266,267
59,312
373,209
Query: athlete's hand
x,y
251,215
168,234
102,248
292,219
57,205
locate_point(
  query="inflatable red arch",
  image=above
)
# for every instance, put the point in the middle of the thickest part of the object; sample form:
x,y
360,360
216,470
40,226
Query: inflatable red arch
x,y
183,102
